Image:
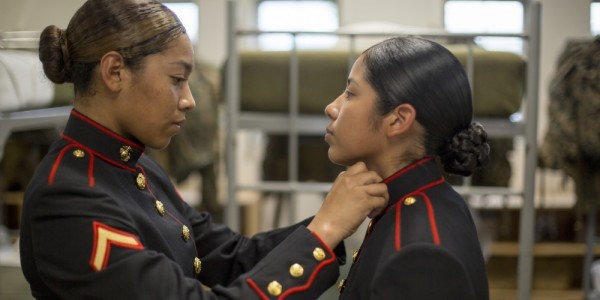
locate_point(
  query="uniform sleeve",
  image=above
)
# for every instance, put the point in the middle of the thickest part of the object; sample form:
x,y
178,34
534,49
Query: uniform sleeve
x,y
231,254
301,267
422,272
74,263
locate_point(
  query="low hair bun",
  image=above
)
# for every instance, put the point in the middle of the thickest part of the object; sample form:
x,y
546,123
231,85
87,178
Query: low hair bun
x,y
466,151
54,54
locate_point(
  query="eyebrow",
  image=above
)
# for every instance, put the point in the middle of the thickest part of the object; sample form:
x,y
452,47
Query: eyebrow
x,y
350,80
187,66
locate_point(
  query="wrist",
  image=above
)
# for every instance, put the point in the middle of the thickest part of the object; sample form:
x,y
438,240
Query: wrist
x,y
326,232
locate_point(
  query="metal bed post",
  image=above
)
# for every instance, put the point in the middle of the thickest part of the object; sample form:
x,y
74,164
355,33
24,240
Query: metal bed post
x,y
527,217
293,138
232,97
31,119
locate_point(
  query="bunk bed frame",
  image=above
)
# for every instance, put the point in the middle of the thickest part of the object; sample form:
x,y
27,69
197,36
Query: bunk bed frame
x,y
30,119
293,124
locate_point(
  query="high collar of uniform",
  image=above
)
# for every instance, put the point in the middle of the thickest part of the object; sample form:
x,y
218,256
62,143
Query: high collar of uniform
x,y
103,142
412,178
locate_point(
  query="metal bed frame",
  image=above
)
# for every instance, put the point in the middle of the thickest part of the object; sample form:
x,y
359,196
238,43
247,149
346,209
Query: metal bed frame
x,y
31,119
293,124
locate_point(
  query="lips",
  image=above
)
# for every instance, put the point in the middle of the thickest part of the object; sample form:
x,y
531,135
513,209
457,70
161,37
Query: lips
x,y
328,134
180,122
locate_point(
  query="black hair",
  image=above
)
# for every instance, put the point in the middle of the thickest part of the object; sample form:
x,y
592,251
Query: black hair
x,y
135,29
429,77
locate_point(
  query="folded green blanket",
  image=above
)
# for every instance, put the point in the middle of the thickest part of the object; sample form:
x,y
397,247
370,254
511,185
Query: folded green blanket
x,y
498,80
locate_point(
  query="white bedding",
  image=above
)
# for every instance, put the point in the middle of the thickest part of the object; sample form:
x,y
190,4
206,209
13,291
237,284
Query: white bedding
x,y
23,84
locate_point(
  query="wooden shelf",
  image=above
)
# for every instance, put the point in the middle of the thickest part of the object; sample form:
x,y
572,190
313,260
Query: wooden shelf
x,y
565,249
509,294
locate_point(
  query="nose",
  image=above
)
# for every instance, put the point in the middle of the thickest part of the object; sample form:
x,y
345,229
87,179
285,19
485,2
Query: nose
x,y
187,102
332,110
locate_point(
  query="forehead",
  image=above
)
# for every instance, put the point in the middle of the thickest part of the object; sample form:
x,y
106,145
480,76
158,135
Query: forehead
x,y
357,71
178,53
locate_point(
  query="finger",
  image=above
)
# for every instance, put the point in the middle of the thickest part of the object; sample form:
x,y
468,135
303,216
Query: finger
x,y
377,190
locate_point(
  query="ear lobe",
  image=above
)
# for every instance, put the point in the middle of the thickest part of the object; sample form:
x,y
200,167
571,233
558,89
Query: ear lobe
x,y
401,119
111,70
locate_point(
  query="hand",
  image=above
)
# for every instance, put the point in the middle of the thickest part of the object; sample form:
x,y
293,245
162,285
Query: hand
x,y
355,194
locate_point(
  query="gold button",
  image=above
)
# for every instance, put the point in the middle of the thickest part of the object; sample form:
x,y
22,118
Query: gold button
x,y
355,255
296,270
78,153
125,153
274,288
342,285
185,232
160,208
197,265
410,201
319,254
140,181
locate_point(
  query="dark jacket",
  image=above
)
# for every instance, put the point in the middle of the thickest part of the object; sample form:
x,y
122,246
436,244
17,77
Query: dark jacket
x,y
101,220
424,246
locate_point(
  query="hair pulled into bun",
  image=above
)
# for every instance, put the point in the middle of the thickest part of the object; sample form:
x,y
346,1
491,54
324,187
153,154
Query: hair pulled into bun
x,y
466,151
54,54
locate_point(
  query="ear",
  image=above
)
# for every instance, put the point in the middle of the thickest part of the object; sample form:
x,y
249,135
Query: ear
x,y
112,67
400,120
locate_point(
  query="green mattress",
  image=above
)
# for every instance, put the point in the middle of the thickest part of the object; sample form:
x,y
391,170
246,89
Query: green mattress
x,y
499,79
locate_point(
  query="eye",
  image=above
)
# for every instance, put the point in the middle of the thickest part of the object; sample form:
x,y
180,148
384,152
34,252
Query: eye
x,y
348,93
178,80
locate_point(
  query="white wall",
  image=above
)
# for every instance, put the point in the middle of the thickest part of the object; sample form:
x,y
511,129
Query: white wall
x,y
35,15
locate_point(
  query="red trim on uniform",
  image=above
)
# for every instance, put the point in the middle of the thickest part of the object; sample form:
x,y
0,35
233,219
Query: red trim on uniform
x,y
105,130
323,243
414,165
432,224
110,161
256,289
397,227
430,213
57,163
91,171
314,273
429,185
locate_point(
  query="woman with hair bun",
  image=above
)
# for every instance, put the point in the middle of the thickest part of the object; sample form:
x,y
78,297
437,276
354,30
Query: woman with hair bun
x,y
406,109
101,220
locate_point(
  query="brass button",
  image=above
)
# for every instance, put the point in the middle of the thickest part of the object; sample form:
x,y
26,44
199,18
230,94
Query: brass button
x,y
296,270
185,233
410,201
78,153
140,181
274,288
197,265
370,227
342,285
160,207
319,254
355,255
125,153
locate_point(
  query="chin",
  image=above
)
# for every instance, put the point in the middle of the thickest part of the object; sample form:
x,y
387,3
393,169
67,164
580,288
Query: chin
x,y
159,145
339,161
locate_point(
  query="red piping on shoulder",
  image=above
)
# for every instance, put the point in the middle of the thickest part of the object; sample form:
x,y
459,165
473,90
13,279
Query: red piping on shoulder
x,y
54,169
430,214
